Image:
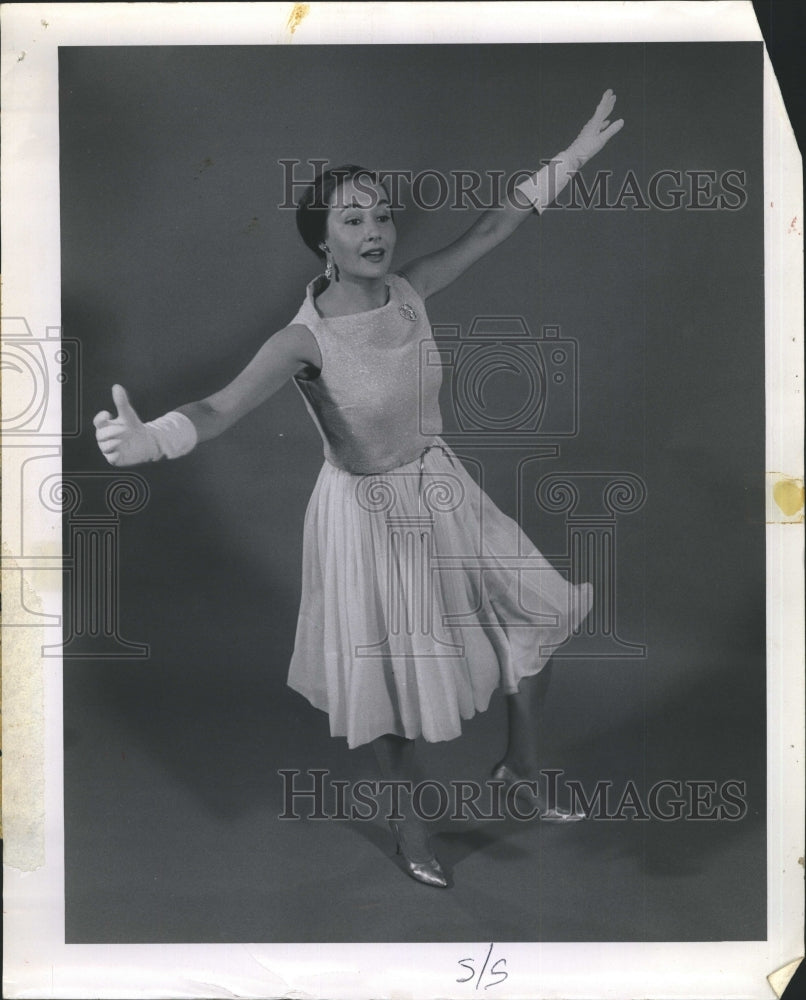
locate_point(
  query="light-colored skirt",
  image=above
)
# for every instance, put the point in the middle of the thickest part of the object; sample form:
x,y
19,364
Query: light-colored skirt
x,y
419,599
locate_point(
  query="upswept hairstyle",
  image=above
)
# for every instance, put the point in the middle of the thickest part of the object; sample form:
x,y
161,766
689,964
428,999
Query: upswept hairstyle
x,y
313,206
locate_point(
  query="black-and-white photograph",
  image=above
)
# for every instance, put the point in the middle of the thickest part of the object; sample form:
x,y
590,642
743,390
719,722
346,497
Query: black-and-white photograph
x,y
412,480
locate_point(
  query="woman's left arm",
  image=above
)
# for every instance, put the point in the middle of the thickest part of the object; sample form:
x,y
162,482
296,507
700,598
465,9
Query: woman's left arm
x,y
435,271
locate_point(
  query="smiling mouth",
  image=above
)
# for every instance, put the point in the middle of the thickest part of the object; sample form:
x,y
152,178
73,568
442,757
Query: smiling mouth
x,y
375,255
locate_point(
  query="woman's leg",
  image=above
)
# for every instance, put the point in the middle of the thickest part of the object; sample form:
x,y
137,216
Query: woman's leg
x,y
525,723
395,756
397,762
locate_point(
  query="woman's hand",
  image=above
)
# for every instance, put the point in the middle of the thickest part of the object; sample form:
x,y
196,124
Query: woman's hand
x,y
124,439
542,189
596,132
435,271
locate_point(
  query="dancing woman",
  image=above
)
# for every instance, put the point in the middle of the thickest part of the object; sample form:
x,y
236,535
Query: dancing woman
x,y
354,352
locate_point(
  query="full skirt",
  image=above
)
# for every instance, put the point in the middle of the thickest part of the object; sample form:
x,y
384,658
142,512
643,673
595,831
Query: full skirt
x,y
419,599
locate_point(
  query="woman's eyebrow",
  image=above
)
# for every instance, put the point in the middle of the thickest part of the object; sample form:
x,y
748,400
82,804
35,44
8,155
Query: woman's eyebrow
x,y
355,204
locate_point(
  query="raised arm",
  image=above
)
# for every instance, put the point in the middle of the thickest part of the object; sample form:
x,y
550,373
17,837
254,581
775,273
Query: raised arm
x,y
433,272
126,440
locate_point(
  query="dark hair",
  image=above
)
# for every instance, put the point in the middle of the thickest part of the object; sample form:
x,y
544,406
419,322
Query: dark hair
x,y
314,204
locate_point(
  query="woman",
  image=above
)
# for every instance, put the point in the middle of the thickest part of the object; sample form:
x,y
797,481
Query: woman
x,y
411,614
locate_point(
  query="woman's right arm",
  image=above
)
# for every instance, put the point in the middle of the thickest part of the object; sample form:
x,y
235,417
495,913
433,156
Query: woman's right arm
x,y
126,440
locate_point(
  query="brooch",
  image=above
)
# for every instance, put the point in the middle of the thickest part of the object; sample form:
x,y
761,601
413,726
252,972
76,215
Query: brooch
x,y
407,312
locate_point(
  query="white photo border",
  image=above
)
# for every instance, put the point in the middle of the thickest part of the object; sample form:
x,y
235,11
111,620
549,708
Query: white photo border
x,y
37,961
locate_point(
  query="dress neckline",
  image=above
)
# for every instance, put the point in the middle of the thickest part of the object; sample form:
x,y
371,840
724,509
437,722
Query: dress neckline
x,y
314,289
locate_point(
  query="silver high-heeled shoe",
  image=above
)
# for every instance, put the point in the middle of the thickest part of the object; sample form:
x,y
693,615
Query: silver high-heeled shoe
x,y
428,872
556,815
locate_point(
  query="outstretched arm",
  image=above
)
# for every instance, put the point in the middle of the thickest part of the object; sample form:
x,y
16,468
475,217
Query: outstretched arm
x,y
126,440
433,272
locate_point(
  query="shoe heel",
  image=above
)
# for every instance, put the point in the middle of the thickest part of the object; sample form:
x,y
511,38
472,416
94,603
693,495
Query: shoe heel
x,y
428,872
504,773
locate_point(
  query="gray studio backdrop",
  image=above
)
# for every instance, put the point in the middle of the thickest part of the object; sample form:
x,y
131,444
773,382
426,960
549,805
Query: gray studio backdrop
x,y
177,264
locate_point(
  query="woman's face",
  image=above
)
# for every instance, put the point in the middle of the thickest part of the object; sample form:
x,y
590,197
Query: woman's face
x,y
361,234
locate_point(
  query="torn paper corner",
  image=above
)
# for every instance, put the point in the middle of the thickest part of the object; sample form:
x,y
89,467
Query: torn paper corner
x,y
779,980
23,727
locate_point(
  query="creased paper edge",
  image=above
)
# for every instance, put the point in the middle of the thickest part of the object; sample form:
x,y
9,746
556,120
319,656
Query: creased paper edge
x,y
780,979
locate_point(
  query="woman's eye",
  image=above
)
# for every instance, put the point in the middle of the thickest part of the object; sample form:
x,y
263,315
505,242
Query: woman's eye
x,y
352,222
384,218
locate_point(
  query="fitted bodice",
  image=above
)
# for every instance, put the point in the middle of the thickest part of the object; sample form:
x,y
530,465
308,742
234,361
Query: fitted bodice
x,y
376,398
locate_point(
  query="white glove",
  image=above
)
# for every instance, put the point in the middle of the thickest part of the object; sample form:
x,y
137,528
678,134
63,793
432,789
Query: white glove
x,y
126,440
542,189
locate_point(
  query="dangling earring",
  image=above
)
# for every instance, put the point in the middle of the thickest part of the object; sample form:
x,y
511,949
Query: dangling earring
x,y
329,265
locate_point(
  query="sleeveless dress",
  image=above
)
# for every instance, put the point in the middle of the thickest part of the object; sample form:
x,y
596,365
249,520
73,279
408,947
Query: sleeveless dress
x,y
419,596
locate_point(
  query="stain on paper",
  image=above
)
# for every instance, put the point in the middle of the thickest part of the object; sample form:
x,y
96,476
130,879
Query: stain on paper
x,y
784,503
788,494
298,13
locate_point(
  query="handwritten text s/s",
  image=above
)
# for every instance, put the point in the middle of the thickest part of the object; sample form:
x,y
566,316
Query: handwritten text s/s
x,y
495,973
